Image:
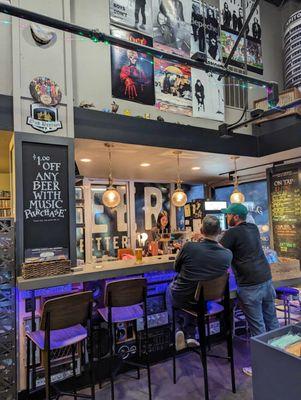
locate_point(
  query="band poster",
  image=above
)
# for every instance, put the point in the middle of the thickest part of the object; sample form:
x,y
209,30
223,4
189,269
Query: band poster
x,y
208,95
134,14
205,31
173,87
172,26
233,17
132,73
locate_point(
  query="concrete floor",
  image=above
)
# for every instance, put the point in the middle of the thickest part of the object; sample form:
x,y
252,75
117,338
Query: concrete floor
x,y
190,379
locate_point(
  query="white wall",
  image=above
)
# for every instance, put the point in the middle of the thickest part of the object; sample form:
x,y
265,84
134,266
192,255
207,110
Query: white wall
x,y
91,62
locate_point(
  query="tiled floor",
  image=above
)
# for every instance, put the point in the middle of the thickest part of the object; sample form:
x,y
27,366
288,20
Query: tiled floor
x,y
190,379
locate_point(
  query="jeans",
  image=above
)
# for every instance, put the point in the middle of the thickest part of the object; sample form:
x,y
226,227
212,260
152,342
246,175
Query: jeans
x,y
258,305
184,321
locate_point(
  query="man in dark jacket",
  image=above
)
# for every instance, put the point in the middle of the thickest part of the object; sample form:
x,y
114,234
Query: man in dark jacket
x,y
252,271
196,262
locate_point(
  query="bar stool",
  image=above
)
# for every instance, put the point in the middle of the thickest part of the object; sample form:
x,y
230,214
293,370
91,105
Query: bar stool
x,y
206,296
125,300
285,294
66,321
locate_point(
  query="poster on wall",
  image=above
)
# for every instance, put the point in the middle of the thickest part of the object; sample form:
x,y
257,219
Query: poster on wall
x,y
109,225
172,26
207,95
254,29
205,31
132,73
254,52
173,87
232,15
46,201
135,14
150,199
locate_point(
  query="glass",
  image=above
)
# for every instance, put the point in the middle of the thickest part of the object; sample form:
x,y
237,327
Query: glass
x,y
138,254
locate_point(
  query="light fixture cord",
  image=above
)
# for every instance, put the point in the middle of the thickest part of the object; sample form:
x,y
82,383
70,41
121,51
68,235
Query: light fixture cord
x,y
110,167
236,179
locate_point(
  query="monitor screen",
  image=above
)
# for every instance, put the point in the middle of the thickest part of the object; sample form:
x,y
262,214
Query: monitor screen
x,y
215,205
222,220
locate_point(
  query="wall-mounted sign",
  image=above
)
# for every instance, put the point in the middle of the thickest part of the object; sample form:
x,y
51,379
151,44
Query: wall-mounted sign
x,y
285,200
45,91
45,201
41,35
44,119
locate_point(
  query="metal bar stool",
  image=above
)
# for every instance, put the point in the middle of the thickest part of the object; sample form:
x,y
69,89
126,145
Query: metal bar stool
x,y
285,294
66,321
206,297
125,300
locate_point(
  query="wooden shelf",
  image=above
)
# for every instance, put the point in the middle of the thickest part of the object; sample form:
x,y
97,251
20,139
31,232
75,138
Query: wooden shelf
x,y
5,208
5,198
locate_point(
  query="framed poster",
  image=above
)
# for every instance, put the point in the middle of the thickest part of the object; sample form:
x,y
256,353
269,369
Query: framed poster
x,y
45,198
132,73
205,31
173,87
207,95
172,25
134,14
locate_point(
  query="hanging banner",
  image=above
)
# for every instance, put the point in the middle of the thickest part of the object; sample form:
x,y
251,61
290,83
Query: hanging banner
x,y
173,87
172,26
254,52
205,31
132,73
135,14
208,95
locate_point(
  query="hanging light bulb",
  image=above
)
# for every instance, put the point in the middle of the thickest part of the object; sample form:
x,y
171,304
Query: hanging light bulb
x,y
111,197
237,196
178,198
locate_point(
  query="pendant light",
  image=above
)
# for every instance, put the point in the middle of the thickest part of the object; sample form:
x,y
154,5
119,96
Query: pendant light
x,y
111,197
237,196
178,198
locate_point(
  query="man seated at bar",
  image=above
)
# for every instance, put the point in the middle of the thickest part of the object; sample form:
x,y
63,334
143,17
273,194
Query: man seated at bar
x,y
197,261
252,271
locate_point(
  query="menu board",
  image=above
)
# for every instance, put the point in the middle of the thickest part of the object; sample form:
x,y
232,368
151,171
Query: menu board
x,y
45,201
285,199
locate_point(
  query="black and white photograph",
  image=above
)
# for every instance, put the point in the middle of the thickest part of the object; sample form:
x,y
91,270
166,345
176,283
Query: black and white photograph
x,y
205,31
172,26
135,14
232,15
254,25
207,95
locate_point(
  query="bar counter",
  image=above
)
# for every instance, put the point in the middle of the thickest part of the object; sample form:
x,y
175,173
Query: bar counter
x,y
283,274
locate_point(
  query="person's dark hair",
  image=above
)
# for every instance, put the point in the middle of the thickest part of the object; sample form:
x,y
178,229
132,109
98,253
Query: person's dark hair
x,y
162,213
211,226
243,217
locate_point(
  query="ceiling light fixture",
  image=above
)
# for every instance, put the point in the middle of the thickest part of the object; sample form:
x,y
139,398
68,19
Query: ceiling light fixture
x,y
111,197
237,196
178,198
145,164
86,160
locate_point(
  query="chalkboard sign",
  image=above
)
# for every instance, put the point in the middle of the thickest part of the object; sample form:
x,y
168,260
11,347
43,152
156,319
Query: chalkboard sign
x,y
45,201
285,203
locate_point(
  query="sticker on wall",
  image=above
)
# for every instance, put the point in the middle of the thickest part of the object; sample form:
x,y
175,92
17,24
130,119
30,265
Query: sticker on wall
x,y
45,91
132,72
208,95
173,87
41,35
135,14
44,119
172,26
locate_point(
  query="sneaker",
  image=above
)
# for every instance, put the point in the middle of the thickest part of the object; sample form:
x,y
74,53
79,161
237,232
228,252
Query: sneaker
x,y
247,371
180,341
192,343
142,26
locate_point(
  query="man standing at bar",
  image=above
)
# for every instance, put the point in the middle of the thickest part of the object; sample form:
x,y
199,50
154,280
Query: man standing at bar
x,y
252,271
197,261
